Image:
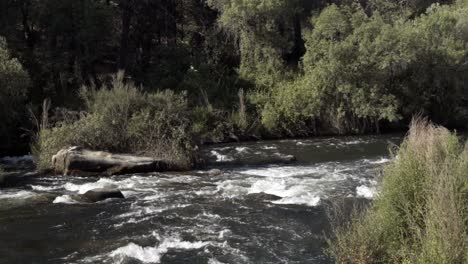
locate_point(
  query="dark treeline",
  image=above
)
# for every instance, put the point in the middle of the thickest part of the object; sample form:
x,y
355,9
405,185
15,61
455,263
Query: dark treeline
x,y
237,68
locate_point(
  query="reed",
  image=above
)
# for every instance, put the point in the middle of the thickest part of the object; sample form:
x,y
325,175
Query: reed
x,y
420,214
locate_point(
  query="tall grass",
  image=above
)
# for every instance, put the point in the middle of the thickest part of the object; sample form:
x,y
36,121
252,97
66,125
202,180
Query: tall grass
x,y
123,118
420,214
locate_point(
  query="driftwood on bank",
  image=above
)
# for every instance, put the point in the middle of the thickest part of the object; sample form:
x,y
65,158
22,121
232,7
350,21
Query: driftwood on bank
x,y
79,161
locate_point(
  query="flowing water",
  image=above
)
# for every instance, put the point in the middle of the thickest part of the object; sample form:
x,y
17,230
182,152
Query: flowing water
x,y
239,213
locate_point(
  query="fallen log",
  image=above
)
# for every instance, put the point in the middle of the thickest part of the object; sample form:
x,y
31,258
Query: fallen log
x,y
83,162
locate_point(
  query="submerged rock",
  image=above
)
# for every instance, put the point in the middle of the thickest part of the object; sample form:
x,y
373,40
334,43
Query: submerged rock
x,y
78,161
263,196
215,172
284,158
97,195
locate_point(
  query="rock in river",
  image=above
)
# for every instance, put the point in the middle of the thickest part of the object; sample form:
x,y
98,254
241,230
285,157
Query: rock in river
x,y
263,196
97,195
79,161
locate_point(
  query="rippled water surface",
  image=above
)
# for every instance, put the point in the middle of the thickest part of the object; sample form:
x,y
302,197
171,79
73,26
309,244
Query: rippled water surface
x,y
244,213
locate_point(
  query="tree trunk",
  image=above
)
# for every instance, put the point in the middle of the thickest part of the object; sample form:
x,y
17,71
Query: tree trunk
x,y
126,7
27,31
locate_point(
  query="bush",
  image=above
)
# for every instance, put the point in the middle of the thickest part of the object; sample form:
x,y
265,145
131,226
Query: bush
x,y
210,125
420,215
122,118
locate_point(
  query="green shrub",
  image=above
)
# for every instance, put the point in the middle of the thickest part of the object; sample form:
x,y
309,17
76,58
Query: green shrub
x,y
420,214
122,118
210,125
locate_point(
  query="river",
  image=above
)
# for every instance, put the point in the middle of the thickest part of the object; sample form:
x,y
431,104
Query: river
x,y
204,216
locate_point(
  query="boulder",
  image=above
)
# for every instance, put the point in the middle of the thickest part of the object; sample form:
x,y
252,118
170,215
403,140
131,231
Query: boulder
x,y
97,195
79,161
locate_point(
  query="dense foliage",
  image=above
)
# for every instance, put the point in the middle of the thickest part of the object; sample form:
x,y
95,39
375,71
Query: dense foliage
x,y
14,81
361,70
420,214
248,68
123,118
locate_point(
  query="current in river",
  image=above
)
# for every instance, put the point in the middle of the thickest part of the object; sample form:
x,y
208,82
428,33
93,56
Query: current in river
x,y
237,210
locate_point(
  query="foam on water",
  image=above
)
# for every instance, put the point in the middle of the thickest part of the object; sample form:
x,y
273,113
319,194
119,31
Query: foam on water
x,y
304,185
134,183
220,157
17,195
242,149
233,188
154,254
365,191
224,233
284,171
83,188
268,147
146,210
223,148
205,192
380,161
274,187
65,199
214,261
354,142
45,188
306,199
290,191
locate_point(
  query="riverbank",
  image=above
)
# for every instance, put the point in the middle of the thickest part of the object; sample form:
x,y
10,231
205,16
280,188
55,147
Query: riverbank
x,y
122,118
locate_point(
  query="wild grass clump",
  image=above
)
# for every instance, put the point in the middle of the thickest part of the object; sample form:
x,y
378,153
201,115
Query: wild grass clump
x,y
212,125
420,214
122,118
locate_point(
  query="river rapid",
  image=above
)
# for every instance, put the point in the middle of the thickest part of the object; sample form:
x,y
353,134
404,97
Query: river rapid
x,y
241,212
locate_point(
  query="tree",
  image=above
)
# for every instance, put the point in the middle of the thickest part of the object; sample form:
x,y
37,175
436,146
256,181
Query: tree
x,y
362,70
266,31
14,81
